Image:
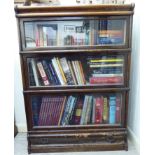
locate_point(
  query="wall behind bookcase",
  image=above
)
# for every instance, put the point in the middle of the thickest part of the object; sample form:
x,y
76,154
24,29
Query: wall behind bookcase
x,y
133,120
134,101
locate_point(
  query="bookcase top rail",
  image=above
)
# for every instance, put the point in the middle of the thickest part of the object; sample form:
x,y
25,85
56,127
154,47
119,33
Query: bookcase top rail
x,y
85,10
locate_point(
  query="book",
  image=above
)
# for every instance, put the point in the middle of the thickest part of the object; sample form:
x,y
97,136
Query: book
x,y
56,79
98,110
36,103
78,111
48,72
57,70
118,109
43,74
83,115
88,111
105,65
67,71
106,80
105,110
72,72
112,109
61,71
68,111
34,70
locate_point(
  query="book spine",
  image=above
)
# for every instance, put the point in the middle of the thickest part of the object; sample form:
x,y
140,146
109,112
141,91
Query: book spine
x,y
82,121
57,82
43,74
106,80
78,111
48,72
118,109
79,72
63,121
112,109
61,71
35,73
35,110
88,111
82,73
56,68
76,72
105,110
62,110
72,72
98,110
66,70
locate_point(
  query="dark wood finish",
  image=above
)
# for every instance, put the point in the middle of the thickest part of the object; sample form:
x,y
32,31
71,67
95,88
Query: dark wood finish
x,y
75,137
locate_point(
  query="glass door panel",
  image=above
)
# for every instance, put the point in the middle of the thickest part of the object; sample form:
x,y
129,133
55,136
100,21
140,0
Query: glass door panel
x,y
86,70
81,109
75,33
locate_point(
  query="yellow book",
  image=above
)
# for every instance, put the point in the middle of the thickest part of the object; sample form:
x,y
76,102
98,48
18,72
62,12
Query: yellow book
x,y
61,71
107,60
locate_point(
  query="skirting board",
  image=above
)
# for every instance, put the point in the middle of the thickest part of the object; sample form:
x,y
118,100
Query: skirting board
x,y
21,127
133,138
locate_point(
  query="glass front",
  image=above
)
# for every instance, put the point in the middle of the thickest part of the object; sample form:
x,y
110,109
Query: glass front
x,y
75,33
88,109
86,70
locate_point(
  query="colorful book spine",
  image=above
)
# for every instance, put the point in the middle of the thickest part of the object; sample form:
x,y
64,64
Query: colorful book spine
x,y
36,103
88,111
43,74
105,110
35,73
67,72
98,110
57,82
118,109
66,110
78,111
72,72
83,115
48,72
57,69
106,80
112,109
61,71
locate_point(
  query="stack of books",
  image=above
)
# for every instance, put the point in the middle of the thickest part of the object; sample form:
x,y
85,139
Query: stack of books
x,y
106,70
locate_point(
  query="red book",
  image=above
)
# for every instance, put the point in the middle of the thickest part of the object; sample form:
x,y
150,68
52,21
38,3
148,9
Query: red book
x,y
98,110
118,109
43,74
106,80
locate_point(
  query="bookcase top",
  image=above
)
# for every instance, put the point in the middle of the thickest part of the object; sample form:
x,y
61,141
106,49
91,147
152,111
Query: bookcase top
x,y
79,10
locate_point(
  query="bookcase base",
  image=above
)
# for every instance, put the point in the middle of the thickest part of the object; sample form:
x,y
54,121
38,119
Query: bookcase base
x,y
77,147
73,141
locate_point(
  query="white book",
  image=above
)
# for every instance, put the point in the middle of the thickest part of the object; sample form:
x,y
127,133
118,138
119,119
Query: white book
x,y
35,73
56,67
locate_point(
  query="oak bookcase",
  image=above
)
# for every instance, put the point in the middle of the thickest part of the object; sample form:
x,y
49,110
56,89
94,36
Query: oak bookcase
x,y
75,63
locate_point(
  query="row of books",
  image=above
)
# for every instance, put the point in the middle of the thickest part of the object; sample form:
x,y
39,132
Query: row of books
x,y
56,71
106,70
70,33
76,110
63,71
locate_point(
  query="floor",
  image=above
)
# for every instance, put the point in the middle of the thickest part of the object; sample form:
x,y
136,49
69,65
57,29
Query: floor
x,y
20,148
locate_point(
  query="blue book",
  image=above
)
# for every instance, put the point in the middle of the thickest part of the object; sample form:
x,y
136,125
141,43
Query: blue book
x,y
57,82
112,109
36,103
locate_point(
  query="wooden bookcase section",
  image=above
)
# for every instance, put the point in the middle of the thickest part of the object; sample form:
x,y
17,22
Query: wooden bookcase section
x,y
75,63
